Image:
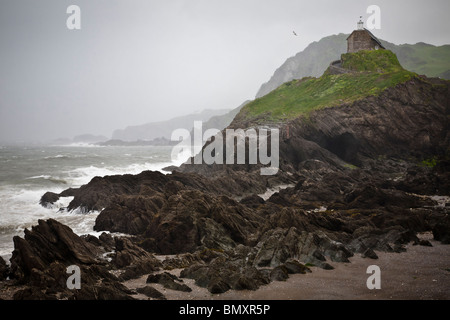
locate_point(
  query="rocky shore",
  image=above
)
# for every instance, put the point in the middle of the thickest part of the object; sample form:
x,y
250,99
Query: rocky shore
x,y
364,178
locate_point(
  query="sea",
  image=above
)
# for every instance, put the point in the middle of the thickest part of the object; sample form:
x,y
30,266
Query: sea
x,y
27,172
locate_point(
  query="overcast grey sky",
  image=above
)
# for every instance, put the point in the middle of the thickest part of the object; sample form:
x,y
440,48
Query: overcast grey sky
x,y
140,61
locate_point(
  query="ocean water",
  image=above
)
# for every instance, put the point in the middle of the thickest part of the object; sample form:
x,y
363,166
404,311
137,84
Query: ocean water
x,y
26,173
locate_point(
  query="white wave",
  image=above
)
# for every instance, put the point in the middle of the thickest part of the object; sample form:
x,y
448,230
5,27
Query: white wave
x,y
43,176
181,157
79,144
271,191
58,156
20,209
56,180
83,175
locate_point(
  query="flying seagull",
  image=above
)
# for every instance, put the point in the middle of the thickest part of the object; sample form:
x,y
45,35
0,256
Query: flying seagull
x,y
294,33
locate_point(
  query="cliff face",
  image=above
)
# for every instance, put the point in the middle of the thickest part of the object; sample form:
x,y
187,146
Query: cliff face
x,y
408,120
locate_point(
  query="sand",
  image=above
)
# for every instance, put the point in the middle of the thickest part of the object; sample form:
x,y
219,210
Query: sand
x,y
420,273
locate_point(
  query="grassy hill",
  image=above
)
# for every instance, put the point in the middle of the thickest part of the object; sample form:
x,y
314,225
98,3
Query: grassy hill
x,y
371,73
422,58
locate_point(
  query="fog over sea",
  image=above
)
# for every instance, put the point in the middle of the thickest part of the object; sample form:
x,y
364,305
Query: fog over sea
x,y
26,173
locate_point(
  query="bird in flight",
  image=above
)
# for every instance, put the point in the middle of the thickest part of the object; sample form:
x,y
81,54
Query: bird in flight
x,y
294,33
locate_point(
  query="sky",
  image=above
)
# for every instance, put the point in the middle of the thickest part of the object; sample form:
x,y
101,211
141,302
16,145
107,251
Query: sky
x,y
139,61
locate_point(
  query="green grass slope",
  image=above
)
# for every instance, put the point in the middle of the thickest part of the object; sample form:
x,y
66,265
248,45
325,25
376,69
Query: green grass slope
x,y
373,72
422,58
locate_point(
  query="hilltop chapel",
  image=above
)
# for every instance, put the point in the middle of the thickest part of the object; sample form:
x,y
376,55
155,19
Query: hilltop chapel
x,y
362,39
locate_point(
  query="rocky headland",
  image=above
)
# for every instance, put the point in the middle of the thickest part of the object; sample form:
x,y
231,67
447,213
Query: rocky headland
x,y
360,175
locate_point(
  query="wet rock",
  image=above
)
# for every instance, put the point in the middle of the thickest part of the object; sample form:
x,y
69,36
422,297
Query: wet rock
x,y
425,243
216,286
294,267
133,260
441,231
371,197
369,253
3,269
107,241
47,242
279,273
169,281
151,292
48,199
278,245
129,214
252,201
33,293
181,261
222,273
40,263
192,219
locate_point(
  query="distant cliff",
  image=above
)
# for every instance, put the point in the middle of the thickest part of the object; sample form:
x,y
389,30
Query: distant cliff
x,y
164,129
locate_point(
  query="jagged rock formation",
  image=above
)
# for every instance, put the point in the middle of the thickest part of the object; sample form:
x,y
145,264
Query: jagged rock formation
x,y
41,260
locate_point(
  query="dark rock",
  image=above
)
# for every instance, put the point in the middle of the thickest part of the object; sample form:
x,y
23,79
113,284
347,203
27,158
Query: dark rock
x,y
441,231
193,219
325,266
253,201
92,239
293,267
151,292
107,241
425,243
216,286
369,253
371,197
4,270
169,281
317,255
47,242
40,262
224,273
33,293
278,245
250,279
48,199
100,192
181,261
133,260
130,214
279,273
